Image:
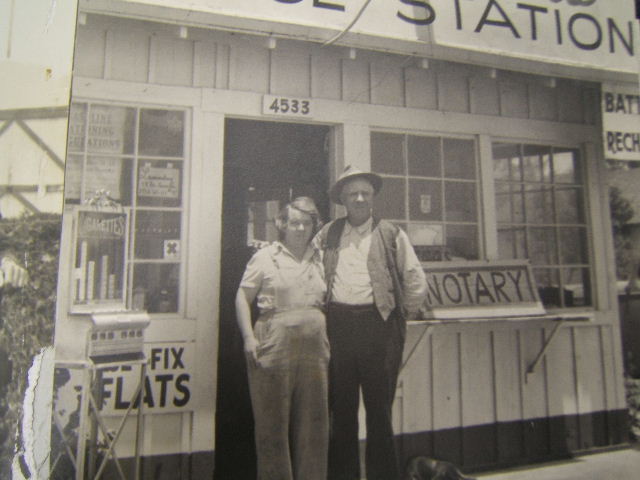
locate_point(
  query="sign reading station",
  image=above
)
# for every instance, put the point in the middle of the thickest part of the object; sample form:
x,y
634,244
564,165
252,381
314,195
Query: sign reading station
x,y
480,289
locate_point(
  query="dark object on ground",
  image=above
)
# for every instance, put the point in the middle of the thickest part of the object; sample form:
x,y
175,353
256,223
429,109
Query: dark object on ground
x,y
425,468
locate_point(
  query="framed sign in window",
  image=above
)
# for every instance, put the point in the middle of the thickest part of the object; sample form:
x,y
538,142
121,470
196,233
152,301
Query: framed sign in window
x,y
99,280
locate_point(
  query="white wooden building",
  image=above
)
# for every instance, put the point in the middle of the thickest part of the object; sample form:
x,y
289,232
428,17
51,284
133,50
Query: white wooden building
x,y
482,117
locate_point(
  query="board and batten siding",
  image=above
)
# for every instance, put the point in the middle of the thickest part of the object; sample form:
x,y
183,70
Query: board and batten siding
x,y
463,394
135,51
466,385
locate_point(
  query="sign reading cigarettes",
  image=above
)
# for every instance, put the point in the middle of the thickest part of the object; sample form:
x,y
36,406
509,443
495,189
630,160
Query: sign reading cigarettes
x,y
98,275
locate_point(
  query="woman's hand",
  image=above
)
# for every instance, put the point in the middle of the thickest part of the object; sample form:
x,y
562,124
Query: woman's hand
x,y
251,350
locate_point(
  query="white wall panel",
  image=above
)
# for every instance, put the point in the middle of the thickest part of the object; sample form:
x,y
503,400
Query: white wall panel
x,y
387,83
356,81
204,64
290,73
508,375
478,401
446,380
421,89
172,61
127,55
249,68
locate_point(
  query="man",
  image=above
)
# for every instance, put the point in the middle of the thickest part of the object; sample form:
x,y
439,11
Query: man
x,y
374,282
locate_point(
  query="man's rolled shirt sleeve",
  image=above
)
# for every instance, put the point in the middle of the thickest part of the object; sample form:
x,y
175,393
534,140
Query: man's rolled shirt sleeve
x,y
413,278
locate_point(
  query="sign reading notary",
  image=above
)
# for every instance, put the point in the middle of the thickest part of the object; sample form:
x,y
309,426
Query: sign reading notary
x,y
480,289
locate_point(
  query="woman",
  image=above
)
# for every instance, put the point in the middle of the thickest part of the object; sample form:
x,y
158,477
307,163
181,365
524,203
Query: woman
x,y
287,351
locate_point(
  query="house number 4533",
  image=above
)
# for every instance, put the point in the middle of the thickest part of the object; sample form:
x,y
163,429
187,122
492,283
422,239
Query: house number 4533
x,y
286,106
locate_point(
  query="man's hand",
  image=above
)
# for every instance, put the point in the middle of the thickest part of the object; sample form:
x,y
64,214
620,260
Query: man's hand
x,y
11,273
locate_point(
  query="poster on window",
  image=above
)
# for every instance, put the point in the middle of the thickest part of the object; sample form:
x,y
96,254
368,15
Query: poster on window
x,y
159,181
98,276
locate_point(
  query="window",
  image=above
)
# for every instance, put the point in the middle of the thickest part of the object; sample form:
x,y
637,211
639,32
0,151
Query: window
x,y
136,156
540,208
431,189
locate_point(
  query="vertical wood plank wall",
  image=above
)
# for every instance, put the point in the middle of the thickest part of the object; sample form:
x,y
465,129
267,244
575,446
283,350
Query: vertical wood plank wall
x,y
136,51
464,394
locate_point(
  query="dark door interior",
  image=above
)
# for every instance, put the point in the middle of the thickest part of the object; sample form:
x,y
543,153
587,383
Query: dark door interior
x,y
265,165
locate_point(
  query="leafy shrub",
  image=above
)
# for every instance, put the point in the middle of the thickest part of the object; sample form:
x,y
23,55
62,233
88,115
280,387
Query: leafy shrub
x,y
26,315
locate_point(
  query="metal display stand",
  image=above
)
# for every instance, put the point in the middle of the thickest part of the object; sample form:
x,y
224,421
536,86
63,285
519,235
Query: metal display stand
x,y
91,421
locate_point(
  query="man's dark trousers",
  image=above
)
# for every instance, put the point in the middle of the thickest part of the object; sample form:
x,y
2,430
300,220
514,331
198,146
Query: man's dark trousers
x,y
366,352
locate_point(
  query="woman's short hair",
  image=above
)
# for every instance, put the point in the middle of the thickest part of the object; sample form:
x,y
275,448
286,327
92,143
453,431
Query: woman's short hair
x,y
304,205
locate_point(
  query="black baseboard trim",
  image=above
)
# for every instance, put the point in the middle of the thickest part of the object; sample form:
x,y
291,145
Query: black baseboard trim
x,y
474,449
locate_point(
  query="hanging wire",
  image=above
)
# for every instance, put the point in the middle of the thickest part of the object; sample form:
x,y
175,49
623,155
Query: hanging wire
x,y
348,27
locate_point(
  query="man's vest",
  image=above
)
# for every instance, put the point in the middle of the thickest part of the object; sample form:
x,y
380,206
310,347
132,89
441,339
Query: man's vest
x,y
381,263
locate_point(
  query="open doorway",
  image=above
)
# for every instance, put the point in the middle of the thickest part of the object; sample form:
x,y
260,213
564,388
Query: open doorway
x,y
266,164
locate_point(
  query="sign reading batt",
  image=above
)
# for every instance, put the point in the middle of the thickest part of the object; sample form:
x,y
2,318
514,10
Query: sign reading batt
x,y
480,289
621,121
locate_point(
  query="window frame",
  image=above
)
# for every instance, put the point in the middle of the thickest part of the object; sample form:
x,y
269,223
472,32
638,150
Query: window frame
x,y
136,158
442,179
586,156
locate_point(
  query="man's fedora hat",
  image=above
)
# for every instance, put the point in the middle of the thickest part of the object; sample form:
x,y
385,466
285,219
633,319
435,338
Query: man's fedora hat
x,y
351,173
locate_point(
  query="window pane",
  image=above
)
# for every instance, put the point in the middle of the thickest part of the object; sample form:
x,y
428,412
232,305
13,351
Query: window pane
x,y
109,174
72,178
161,133
538,204
506,159
389,203
459,158
460,202
155,287
157,235
159,183
386,153
573,245
542,246
536,163
424,156
577,285
425,234
77,123
462,242
511,243
548,287
425,200
570,205
542,218
503,203
110,129
566,166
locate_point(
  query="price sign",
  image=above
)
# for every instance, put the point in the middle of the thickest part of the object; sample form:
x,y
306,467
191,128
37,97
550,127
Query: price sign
x,y
287,106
